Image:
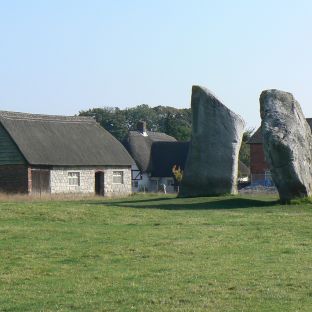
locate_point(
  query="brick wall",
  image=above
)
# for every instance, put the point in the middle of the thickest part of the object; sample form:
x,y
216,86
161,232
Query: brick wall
x,y
14,178
258,164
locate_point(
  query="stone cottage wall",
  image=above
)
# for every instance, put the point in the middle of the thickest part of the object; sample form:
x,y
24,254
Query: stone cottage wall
x,y
113,189
59,181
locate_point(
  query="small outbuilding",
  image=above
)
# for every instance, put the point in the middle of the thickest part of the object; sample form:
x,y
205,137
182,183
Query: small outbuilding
x,y
61,155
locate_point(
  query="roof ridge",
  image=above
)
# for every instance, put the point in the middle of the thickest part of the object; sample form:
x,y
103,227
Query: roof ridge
x,y
151,132
63,141
43,117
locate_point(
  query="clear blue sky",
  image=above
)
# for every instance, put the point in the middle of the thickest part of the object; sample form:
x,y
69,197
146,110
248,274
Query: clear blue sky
x,y
60,57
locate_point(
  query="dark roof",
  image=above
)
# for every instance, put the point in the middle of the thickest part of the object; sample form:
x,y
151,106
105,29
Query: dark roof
x,y
63,140
167,154
140,146
256,138
164,155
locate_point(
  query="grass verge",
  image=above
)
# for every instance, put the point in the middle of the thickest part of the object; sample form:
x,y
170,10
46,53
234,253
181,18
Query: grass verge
x,y
155,253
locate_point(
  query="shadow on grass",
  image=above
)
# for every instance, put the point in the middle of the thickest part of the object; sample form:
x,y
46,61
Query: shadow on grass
x,y
199,203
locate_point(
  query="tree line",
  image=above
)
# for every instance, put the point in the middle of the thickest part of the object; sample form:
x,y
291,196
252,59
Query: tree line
x,y
173,121
176,122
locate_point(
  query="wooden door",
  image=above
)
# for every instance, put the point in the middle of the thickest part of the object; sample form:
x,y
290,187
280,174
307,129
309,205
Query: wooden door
x,y
40,181
99,183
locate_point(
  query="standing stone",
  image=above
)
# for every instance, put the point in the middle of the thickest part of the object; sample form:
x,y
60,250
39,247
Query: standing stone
x,y
212,162
287,143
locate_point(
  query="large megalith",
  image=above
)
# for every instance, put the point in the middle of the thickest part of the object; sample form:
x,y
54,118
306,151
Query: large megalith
x,y
212,162
287,143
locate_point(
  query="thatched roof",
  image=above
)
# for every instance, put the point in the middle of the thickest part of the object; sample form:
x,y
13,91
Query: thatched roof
x,y
63,141
167,154
139,146
157,153
257,138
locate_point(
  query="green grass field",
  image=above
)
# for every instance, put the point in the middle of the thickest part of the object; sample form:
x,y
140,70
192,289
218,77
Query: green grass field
x,y
156,253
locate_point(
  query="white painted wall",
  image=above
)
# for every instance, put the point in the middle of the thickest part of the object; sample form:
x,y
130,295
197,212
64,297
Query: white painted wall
x,y
148,184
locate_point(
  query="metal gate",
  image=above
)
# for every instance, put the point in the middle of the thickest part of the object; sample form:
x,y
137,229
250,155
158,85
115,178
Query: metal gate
x,y
40,181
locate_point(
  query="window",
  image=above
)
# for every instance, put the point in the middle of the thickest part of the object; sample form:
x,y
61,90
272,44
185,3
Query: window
x,y
118,177
74,178
135,183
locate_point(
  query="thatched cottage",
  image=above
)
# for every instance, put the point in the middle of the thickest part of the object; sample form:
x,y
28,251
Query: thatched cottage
x,y
139,144
58,154
155,154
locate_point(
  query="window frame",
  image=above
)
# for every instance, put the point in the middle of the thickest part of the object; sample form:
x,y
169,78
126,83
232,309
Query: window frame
x,y
72,176
118,174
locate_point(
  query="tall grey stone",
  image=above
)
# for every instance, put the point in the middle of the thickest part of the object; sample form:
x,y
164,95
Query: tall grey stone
x,y
212,162
287,143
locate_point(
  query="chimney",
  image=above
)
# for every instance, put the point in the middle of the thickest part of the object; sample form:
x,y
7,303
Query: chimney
x,y
141,127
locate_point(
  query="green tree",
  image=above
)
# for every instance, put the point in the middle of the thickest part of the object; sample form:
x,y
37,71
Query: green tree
x,y
177,174
112,119
175,122
172,121
142,112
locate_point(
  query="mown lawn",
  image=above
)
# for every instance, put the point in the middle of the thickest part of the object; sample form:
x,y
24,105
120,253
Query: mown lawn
x,y
156,253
